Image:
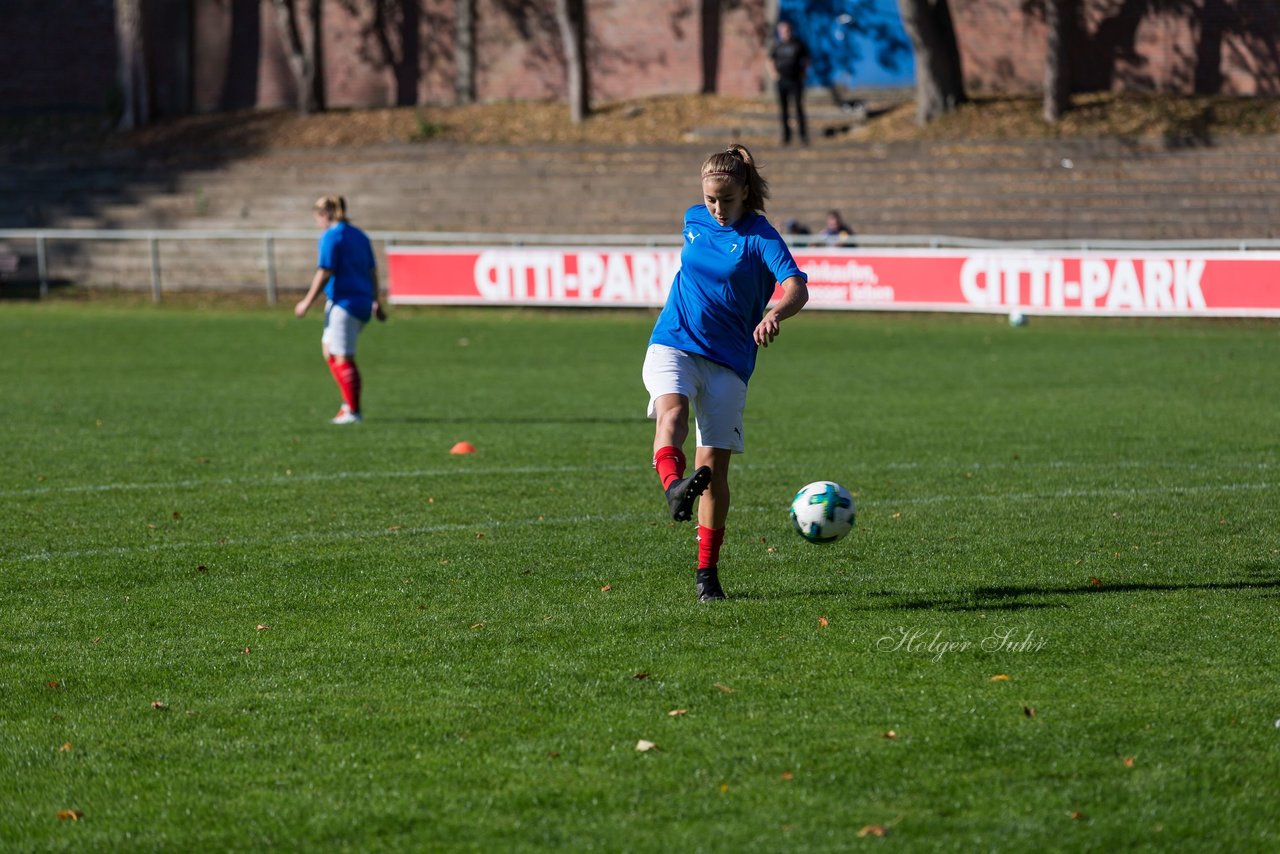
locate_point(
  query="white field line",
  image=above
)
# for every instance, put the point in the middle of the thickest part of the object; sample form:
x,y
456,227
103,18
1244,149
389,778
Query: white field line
x,y
462,471
619,518
316,477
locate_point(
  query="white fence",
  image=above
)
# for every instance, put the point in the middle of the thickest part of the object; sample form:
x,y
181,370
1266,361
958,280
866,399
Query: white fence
x,y
252,259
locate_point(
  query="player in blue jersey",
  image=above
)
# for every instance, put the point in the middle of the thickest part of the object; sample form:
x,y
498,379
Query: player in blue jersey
x,y
704,344
348,275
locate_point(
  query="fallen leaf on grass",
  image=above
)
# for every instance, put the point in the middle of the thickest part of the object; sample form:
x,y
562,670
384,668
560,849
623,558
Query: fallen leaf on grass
x,y
891,735
54,683
724,788
70,815
176,515
1095,581
644,746
1028,711
159,706
873,830
246,650
823,622
724,689
67,747
675,713
1076,815
477,625
606,588
787,775
1000,677
643,674
1128,762
479,535
261,627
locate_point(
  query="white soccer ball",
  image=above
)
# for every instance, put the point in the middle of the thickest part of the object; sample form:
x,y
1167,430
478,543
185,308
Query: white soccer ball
x,y
1017,318
823,512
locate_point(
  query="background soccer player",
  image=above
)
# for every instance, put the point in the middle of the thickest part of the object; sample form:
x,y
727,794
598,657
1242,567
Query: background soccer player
x,y
703,347
348,274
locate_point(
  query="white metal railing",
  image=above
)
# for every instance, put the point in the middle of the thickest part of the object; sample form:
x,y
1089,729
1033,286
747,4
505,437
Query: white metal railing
x,y
267,239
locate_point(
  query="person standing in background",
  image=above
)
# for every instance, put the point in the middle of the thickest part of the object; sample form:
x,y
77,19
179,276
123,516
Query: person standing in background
x,y
347,274
789,58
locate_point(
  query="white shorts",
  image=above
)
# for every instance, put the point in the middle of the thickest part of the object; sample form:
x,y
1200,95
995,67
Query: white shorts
x,y
717,394
340,330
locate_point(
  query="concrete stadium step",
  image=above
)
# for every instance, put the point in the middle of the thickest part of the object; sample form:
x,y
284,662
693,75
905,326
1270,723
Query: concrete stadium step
x,y
991,189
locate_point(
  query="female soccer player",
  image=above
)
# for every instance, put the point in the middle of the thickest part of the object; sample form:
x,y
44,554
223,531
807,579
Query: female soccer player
x,y
347,273
703,347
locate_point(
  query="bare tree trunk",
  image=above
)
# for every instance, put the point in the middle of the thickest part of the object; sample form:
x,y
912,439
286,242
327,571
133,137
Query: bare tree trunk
x,y
571,15
1057,68
939,79
710,41
132,65
464,86
304,59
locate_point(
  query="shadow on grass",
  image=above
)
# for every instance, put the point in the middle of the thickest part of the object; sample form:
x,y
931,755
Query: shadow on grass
x,y
1011,598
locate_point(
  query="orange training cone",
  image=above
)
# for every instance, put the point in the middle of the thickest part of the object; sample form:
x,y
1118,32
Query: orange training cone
x,y
463,448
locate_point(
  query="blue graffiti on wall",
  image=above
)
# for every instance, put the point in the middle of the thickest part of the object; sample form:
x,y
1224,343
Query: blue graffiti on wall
x,y
854,43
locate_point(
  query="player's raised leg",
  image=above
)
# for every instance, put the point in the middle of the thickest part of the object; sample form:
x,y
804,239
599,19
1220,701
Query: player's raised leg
x,y
671,429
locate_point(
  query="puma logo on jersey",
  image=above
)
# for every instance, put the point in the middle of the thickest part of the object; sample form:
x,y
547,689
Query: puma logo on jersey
x,y
692,237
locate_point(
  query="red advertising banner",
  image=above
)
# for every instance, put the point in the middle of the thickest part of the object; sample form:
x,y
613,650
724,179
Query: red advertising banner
x,y
1152,283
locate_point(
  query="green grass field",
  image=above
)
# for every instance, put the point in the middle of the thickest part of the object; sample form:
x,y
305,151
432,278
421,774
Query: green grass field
x,y
228,624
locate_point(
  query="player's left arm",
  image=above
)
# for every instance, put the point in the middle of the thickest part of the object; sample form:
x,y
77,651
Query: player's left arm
x,y
795,293
318,281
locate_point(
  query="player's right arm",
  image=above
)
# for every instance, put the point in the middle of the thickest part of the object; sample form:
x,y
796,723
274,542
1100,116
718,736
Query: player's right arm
x,y
378,310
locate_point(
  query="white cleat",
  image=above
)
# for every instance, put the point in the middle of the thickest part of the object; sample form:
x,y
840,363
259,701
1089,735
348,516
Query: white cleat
x,y
346,416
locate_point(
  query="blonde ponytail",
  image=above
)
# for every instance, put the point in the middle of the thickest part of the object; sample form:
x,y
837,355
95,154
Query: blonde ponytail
x,y
735,163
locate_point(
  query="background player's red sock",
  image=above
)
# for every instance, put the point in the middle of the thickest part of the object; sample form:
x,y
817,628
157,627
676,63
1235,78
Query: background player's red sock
x,y
347,375
333,371
709,541
669,462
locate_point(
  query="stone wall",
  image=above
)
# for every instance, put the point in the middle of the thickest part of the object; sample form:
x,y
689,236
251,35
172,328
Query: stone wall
x,y
211,55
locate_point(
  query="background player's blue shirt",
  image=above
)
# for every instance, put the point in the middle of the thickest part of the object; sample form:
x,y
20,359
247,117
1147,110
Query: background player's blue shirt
x,y
346,253
727,274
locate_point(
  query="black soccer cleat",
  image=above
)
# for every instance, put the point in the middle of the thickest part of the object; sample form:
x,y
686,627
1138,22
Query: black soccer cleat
x,y
680,495
708,585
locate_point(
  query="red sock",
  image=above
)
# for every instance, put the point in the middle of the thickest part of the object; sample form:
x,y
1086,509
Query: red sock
x,y
347,376
709,540
333,371
669,462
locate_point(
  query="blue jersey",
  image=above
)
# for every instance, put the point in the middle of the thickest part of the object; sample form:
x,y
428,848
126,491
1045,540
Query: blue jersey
x,y
727,275
346,253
